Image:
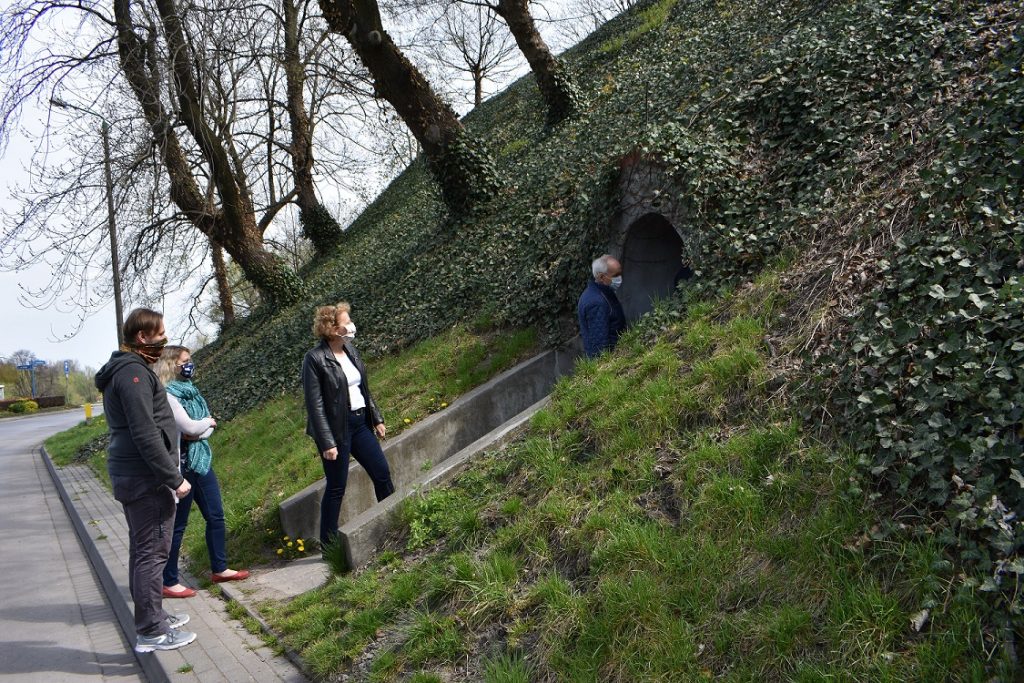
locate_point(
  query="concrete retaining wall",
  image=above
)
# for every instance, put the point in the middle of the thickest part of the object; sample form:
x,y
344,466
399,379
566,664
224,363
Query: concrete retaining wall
x,y
415,453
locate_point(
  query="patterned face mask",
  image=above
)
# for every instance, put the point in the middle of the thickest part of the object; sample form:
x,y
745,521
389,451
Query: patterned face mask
x,y
188,370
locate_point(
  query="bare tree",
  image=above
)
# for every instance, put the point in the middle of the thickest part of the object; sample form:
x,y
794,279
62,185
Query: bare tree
x,y
471,41
462,168
557,87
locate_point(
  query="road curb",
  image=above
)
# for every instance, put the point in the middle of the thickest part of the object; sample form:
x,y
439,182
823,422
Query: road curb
x,y
151,666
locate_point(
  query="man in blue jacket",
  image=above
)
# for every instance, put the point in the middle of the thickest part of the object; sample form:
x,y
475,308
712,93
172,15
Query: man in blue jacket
x,y
599,311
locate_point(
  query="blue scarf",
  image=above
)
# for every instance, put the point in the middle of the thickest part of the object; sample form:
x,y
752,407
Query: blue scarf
x,y
199,455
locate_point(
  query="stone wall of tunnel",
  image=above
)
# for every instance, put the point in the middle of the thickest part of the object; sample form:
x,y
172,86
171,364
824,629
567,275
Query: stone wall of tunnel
x,y
648,235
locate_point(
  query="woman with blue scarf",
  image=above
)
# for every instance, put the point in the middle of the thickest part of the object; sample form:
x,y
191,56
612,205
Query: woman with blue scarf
x,y
195,425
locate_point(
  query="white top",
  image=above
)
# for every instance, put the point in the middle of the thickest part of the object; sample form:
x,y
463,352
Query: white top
x,y
194,429
355,397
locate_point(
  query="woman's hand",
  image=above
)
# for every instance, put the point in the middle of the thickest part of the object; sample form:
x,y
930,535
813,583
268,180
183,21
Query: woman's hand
x,y
330,453
381,430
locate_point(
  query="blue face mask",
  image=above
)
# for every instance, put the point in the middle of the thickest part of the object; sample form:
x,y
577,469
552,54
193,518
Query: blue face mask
x,y
188,369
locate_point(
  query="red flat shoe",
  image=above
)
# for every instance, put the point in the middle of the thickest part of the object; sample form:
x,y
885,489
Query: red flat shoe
x,y
237,576
183,593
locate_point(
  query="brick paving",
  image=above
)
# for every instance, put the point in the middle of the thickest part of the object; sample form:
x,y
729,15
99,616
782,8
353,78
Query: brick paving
x,y
223,650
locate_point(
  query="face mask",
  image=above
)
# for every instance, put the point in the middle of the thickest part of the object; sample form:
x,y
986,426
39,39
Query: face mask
x,y
616,282
188,369
347,331
150,352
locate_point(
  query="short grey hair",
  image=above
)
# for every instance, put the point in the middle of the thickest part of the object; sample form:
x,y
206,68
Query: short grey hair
x,y
600,265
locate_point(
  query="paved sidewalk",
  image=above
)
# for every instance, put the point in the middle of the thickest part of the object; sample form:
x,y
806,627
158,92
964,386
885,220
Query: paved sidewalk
x,y
223,651
55,622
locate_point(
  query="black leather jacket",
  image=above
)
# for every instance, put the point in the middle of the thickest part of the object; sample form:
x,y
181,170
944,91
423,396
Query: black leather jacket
x,y
325,390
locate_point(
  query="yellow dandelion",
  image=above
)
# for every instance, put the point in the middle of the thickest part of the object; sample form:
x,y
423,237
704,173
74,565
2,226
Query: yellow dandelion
x,y
280,551
289,544
299,541
407,421
285,539
444,404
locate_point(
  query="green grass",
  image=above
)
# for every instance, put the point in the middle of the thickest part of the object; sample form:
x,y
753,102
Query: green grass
x,y
648,19
663,519
66,446
85,443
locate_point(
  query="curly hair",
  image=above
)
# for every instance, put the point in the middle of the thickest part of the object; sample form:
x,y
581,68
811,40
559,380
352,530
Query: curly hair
x,y
326,317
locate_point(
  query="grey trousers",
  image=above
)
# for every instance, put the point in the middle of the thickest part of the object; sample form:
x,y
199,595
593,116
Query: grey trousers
x,y
149,509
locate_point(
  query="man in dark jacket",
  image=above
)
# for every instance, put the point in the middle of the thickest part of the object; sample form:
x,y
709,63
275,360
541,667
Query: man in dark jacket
x,y
144,474
600,313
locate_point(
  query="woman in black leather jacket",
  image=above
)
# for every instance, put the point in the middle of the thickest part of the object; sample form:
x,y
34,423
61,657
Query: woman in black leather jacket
x,y
341,415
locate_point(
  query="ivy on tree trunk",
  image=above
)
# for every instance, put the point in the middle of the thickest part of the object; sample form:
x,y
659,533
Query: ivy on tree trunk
x,y
556,86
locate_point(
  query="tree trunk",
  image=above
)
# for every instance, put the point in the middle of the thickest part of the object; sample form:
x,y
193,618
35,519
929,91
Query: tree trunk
x,y
318,225
461,165
556,86
233,224
220,273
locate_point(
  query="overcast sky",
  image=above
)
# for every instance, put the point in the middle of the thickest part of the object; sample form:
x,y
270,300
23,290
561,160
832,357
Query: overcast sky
x,y
44,332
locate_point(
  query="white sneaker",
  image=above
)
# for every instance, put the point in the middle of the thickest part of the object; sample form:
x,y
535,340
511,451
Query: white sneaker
x,y
168,641
176,621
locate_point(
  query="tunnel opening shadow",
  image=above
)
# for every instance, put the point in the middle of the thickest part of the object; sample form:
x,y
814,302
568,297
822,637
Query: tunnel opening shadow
x,y
651,264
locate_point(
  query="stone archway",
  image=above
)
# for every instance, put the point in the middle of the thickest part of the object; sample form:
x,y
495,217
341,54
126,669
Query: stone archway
x,y
651,259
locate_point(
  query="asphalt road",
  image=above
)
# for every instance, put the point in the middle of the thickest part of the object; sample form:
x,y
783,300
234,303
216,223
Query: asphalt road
x,y
55,622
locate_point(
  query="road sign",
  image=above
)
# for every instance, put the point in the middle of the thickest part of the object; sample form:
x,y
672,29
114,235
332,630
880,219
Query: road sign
x,y
67,368
38,362
24,367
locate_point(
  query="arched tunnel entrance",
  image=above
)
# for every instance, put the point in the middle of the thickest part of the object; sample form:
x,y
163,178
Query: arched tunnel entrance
x,y
651,260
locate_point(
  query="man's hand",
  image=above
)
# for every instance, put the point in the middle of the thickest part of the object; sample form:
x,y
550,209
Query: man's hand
x,y
183,489
330,453
381,430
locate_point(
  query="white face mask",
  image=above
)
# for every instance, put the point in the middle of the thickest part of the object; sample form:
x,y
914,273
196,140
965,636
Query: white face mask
x,y
349,332
616,282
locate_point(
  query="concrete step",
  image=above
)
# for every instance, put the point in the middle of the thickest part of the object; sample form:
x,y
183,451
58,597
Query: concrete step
x,y
431,452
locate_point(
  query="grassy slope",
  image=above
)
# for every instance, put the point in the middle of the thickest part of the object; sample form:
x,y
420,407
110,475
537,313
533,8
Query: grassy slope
x,y
667,518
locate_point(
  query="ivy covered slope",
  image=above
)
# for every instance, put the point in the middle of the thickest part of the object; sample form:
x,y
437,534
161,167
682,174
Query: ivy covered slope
x,y
868,154
410,270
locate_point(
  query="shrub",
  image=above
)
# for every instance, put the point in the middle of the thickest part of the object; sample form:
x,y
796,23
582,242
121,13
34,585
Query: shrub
x,y
24,406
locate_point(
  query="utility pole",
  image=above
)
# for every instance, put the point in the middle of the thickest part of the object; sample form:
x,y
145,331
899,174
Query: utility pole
x,y
111,227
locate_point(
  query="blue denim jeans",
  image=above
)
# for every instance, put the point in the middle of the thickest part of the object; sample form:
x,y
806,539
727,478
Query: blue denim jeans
x,y
206,492
364,447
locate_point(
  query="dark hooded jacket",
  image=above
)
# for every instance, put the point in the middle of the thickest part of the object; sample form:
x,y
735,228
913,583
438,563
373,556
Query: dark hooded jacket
x,y
325,390
141,424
